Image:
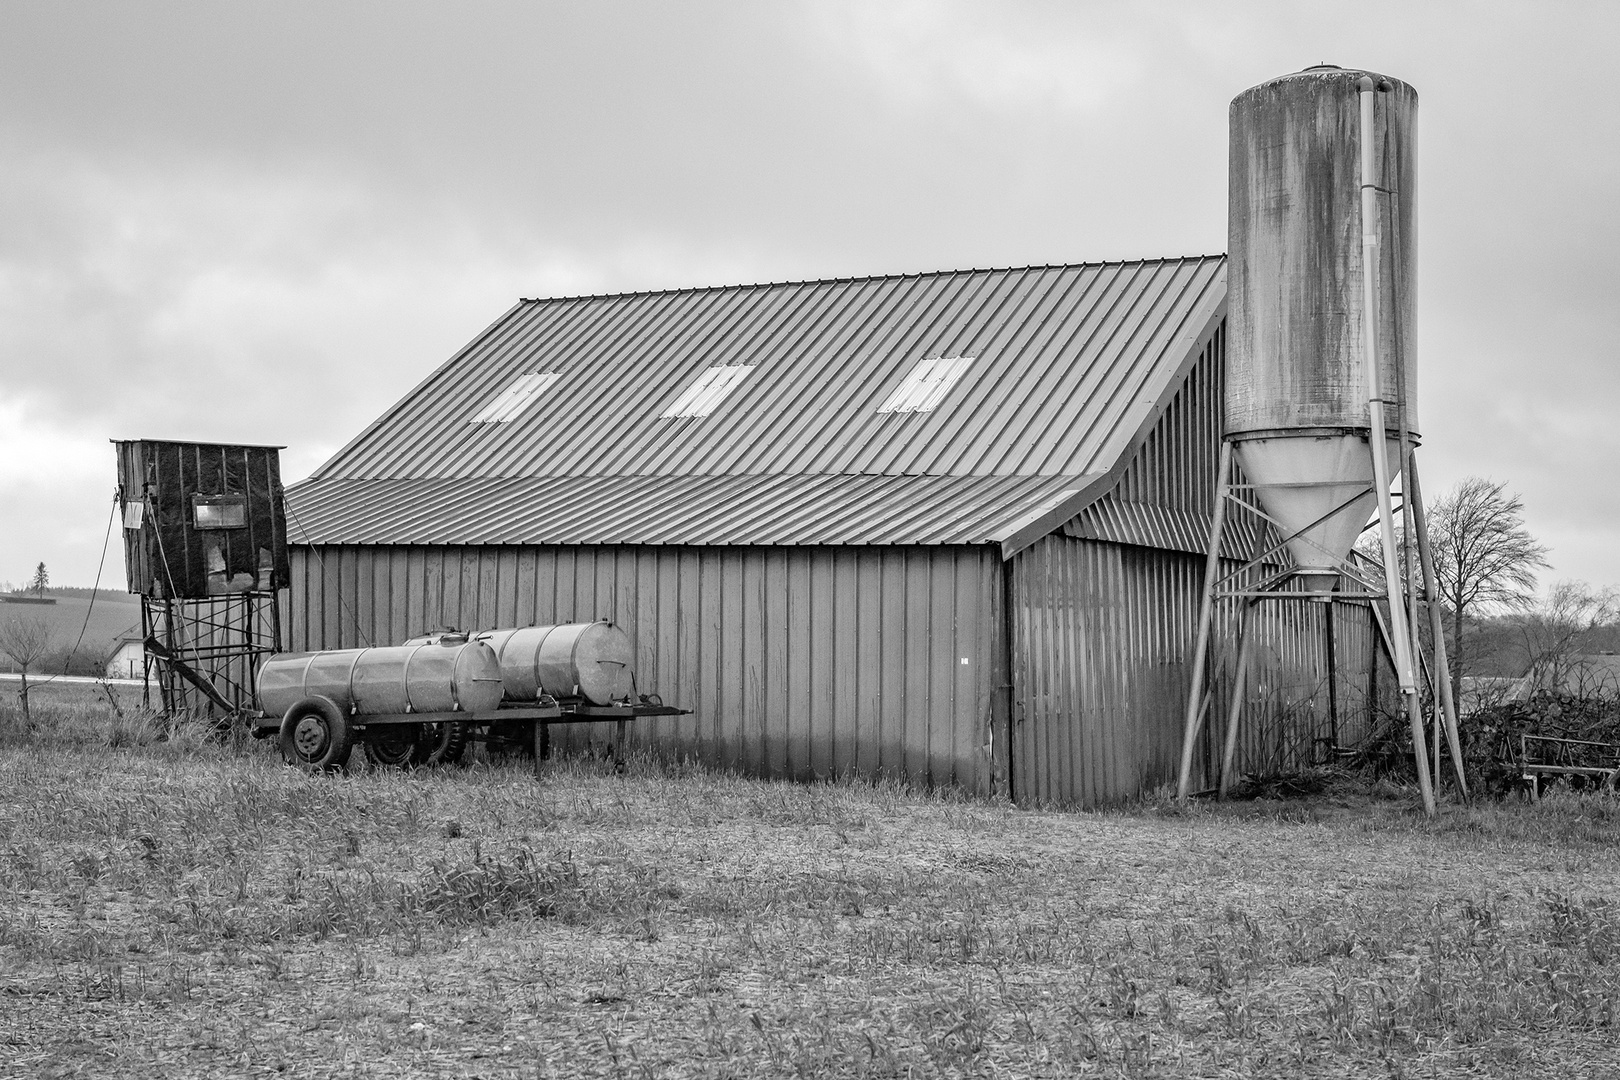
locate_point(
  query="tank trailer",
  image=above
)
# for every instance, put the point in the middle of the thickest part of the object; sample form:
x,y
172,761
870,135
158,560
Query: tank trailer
x,y
422,702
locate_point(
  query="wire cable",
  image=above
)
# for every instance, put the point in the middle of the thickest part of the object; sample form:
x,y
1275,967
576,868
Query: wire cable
x,y
95,590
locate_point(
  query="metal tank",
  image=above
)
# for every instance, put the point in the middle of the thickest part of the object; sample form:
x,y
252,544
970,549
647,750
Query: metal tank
x,y
447,675
1297,386
575,660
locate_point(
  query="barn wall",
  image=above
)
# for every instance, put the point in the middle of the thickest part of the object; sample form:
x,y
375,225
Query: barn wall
x,y
1175,465
1102,643
1105,615
798,662
1165,492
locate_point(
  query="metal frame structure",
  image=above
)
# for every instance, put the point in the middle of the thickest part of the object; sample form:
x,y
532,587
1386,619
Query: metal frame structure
x,y
1594,762
206,652
209,582
1396,614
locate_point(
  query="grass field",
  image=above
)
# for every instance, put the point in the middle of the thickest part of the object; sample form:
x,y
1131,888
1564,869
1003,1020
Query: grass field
x,y
113,615
176,908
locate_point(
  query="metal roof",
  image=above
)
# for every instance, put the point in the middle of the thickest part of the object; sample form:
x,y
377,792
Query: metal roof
x,y
1069,365
769,509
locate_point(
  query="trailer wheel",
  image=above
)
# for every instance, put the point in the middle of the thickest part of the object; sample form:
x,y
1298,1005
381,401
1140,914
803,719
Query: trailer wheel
x,y
442,743
316,736
393,746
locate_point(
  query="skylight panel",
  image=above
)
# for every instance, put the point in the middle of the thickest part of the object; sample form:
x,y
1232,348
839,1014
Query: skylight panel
x,y
505,406
927,384
706,394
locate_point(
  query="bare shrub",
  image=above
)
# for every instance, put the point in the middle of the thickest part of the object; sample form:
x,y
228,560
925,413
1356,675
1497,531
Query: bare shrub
x,y
28,640
1555,633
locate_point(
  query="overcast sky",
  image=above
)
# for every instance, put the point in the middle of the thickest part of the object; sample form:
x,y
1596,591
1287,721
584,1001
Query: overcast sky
x,y
267,222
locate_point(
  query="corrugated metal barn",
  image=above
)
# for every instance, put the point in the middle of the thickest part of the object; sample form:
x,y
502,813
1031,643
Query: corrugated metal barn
x,y
949,526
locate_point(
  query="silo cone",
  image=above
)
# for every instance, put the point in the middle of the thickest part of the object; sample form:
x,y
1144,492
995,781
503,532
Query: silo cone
x,y
1305,478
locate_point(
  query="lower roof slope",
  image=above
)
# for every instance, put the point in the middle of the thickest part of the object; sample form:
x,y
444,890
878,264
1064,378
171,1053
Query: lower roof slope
x,y
763,509
1058,370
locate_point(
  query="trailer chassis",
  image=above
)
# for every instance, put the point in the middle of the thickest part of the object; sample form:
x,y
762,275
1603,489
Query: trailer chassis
x,y
318,736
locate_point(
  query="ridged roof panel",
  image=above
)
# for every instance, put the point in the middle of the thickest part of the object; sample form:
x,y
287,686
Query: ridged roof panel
x,y
737,509
1067,362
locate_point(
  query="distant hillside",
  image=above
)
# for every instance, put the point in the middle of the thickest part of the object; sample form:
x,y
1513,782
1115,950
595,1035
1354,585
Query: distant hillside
x,y
113,616
116,595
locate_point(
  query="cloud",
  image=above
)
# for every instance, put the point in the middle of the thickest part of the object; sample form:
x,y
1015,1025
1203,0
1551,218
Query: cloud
x,y
265,224
56,489
207,301
1002,57
36,457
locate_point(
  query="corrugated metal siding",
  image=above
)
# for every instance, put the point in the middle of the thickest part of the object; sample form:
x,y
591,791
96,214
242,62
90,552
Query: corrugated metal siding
x,y
826,509
1165,494
1105,614
799,662
1175,465
1102,635
1069,362
1148,525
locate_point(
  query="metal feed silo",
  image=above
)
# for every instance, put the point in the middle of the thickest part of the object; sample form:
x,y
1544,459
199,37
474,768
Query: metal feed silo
x,y
1321,384
1297,381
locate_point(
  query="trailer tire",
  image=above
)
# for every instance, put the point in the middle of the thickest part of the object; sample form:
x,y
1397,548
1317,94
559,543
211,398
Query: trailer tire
x,y
393,746
316,736
443,742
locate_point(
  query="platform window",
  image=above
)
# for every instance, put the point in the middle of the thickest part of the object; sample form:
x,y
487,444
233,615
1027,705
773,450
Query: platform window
x,y
219,511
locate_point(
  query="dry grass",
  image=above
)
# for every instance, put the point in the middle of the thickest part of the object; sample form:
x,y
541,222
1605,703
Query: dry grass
x,y
175,908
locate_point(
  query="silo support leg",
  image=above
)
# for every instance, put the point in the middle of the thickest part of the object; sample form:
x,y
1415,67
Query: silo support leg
x,y
1196,698
1409,704
1420,753
1234,715
1442,664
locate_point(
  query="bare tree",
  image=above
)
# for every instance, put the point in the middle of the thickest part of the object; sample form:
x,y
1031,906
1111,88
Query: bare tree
x,y
27,639
1483,555
1555,633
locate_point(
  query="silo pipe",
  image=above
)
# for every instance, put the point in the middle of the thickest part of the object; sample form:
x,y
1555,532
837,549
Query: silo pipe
x,y
1399,629
1431,593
